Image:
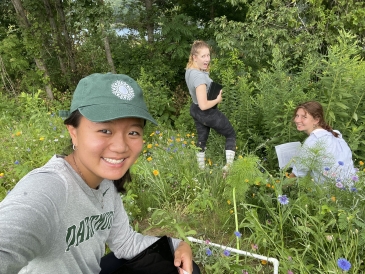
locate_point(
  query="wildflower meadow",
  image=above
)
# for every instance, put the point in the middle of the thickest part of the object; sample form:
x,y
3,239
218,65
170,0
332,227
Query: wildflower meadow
x,y
306,227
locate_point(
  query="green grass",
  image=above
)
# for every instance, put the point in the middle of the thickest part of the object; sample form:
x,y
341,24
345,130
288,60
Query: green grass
x,y
171,195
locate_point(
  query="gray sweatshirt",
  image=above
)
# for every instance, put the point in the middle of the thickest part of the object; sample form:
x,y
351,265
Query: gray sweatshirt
x,y
52,222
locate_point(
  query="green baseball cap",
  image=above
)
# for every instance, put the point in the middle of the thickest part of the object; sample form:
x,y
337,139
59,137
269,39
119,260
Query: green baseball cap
x,y
104,97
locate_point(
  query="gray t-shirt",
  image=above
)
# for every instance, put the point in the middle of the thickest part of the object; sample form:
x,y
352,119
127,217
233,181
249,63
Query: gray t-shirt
x,y
52,222
195,78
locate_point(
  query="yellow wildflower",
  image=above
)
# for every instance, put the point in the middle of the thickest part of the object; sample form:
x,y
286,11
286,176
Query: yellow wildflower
x,y
246,180
228,202
361,163
287,174
144,151
149,146
177,139
268,185
253,194
240,156
272,186
231,211
169,140
155,172
192,142
18,133
278,181
188,135
209,162
263,262
149,159
152,134
156,145
1,174
41,139
333,199
185,143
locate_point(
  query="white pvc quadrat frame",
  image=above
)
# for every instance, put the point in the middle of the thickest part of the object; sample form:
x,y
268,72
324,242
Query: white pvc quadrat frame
x,y
274,261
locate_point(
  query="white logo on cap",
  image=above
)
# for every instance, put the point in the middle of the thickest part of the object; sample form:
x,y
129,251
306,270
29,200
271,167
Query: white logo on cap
x,y
122,90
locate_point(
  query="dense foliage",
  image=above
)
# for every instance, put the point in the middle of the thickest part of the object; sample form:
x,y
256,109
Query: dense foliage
x,y
269,55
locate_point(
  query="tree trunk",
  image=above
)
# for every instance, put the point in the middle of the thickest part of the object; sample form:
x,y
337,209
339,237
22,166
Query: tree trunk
x,y
55,36
108,53
27,32
149,22
107,46
66,35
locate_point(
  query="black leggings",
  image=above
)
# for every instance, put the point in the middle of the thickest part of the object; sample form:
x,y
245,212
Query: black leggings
x,y
110,263
215,119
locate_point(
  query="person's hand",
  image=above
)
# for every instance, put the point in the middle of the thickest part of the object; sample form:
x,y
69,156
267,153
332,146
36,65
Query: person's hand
x,y
219,97
184,258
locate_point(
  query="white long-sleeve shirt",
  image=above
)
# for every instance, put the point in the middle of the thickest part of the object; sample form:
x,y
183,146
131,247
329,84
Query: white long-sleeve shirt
x,y
325,157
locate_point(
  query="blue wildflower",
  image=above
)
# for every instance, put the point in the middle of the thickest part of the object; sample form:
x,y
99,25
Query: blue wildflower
x,y
353,189
183,145
226,253
238,234
16,162
326,168
343,264
157,132
208,252
283,199
340,163
355,178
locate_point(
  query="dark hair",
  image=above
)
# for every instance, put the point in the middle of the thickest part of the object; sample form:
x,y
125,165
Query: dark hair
x,y
315,109
74,120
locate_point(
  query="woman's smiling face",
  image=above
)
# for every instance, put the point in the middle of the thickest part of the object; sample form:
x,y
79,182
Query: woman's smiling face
x,y
304,121
106,150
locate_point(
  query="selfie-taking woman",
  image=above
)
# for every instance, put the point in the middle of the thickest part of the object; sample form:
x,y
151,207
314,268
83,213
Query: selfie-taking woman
x,y
59,217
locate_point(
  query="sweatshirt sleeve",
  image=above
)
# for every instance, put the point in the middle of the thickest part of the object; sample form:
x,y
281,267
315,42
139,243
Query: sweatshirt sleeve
x,y
123,240
30,215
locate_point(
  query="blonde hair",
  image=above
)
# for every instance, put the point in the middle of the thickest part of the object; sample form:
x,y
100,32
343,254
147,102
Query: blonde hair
x,y
195,48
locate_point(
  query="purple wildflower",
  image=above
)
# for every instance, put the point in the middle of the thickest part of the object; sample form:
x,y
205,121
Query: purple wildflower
x,y
326,168
340,163
355,178
208,252
290,272
16,162
343,264
238,234
283,199
339,185
226,253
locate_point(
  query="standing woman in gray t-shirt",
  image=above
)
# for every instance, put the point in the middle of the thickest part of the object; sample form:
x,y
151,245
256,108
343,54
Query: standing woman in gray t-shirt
x,y
203,111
